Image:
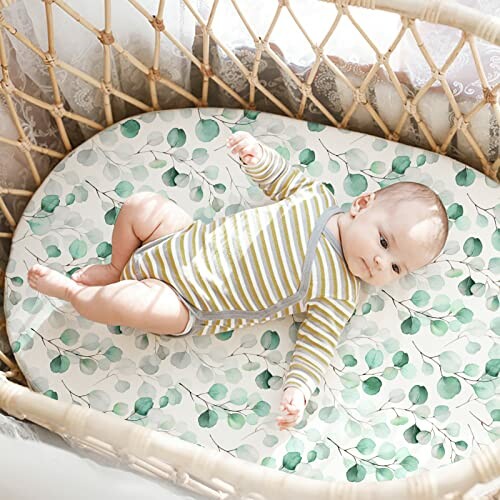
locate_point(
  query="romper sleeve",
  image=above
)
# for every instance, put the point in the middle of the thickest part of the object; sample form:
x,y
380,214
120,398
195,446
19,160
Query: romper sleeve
x,y
276,176
316,341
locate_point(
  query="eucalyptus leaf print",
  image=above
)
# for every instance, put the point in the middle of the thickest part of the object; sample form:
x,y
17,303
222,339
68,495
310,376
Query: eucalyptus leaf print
x,y
415,383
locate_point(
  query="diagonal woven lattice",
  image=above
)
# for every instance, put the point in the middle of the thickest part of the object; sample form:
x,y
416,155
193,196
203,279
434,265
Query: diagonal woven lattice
x,y
471,24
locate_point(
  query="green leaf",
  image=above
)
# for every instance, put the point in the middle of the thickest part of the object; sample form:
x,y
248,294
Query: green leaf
x,y
410,434
120,409
420,298
270,340
124,189
250,114
356,158
262,408
17,281
409,463
465,286
410,326
455,211
315,127
32,305
224,335
400,359
157,164
473,247
176,138
200,155
291,460
130,128
69,336
113,353
495,415
384,474
421,158
104,249
196,193
111,215
450,361
78,249
349,360
484,390
465,177
439,327
372,385
59,364
365,446
169,176
356,473
51,394
143,405
400,164
448,387
464,315
208,419
88,366
355,184
235,420
437,451
374,358
206,130
218,392
50,202
493,367
328,414
418,394
495,239
329,187
307,156
262,379
70,198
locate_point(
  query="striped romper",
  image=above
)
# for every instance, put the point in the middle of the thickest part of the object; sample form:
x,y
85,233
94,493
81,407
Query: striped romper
x,y
262,264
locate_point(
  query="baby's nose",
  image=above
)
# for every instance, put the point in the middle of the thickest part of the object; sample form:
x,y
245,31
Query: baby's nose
x,y
379,262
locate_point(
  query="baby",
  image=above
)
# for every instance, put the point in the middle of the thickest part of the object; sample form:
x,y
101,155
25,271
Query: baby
x,y
300,255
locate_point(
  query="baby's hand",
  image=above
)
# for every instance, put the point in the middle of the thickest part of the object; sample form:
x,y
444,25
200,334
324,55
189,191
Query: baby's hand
x,y
292,408
246,146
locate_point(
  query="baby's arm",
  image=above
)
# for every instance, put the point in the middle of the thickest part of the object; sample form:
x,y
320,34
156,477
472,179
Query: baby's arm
x,y
274,175
314,351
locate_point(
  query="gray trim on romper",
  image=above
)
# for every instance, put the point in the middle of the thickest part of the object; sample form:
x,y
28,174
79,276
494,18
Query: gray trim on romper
x,y
199,316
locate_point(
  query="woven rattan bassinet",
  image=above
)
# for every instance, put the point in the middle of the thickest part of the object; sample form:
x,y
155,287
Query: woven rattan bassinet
x,y
209,473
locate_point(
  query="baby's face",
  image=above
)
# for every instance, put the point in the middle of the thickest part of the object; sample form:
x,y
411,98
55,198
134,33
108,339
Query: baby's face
x,y
383,243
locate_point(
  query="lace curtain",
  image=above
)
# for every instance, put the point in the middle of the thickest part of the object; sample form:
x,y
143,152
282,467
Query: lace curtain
x,y
347,48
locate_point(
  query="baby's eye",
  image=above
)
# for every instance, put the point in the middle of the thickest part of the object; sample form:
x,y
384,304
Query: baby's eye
x,y
383,241
396,269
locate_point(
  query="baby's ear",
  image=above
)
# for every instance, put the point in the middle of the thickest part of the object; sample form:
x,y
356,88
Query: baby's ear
x,y
361,202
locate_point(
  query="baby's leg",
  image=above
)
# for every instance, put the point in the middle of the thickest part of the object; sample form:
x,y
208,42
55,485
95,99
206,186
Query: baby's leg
x,y
143,217
148,305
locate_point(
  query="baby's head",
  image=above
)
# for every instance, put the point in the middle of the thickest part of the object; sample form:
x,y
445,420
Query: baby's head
x,y
391,232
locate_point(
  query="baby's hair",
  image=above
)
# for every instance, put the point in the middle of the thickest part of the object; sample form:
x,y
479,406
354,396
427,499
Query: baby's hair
x,y
411,191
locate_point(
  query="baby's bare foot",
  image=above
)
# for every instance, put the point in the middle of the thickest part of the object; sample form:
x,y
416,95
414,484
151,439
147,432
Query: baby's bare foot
x,y
99,274
246,146
50,282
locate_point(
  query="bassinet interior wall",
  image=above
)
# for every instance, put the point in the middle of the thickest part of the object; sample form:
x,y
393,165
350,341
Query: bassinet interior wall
x,y
472,136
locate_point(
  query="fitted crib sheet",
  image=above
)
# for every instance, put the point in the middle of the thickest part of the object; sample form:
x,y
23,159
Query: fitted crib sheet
x,y
414,385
